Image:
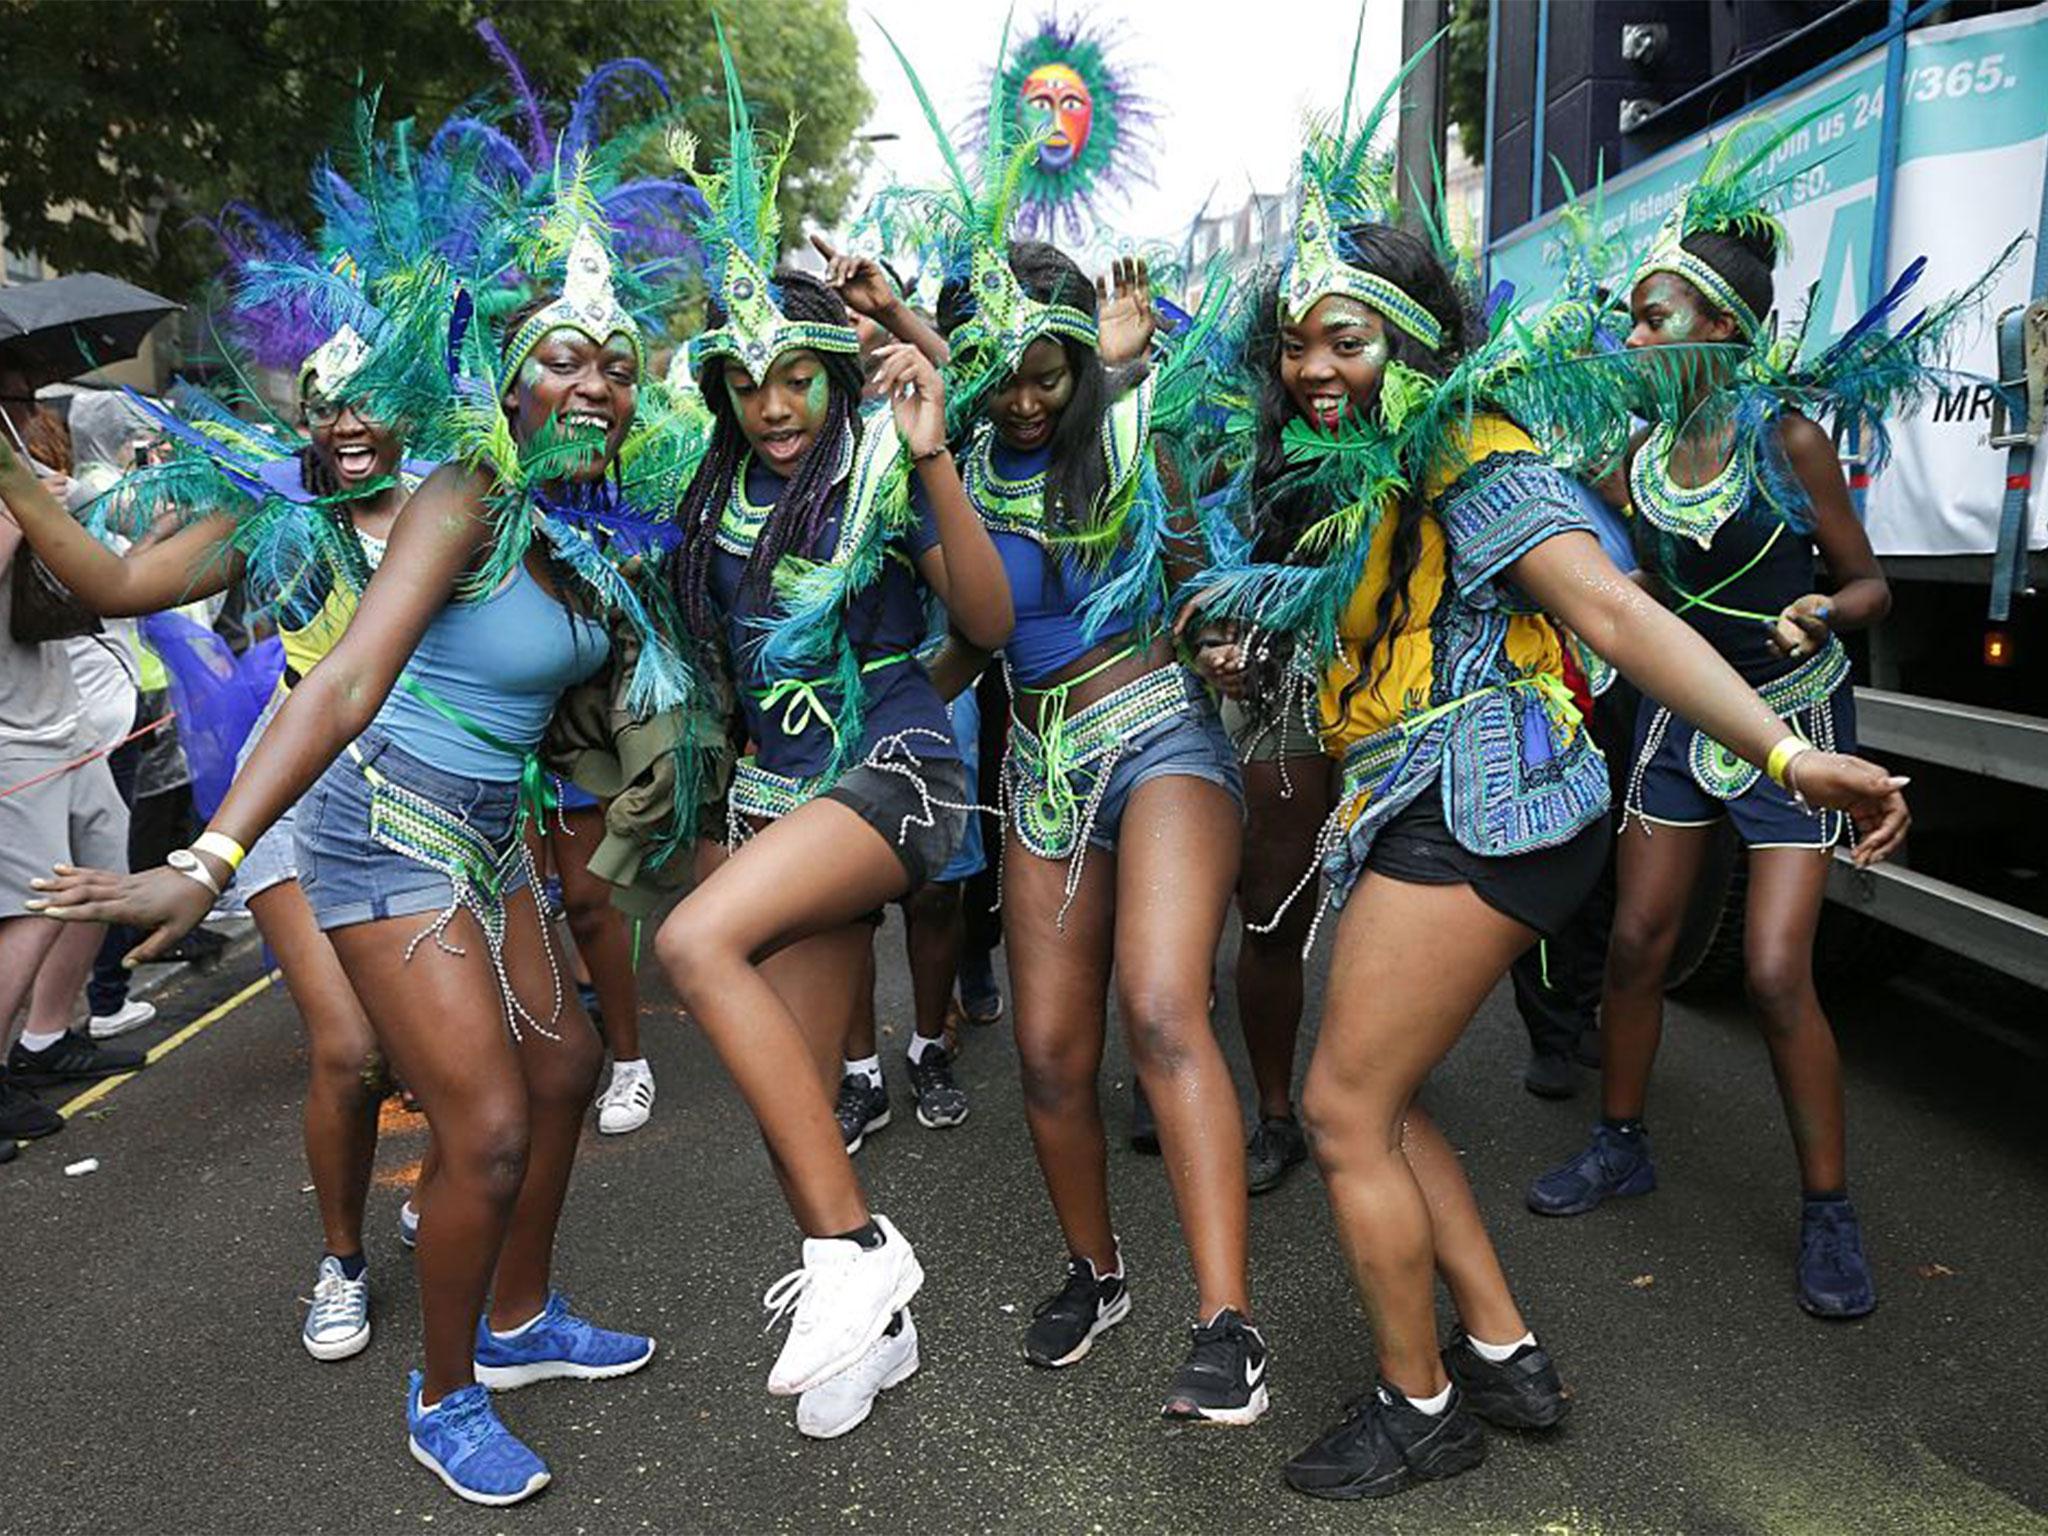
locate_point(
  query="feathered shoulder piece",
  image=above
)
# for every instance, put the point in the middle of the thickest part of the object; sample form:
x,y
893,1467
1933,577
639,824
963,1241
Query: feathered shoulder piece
x,y
740,232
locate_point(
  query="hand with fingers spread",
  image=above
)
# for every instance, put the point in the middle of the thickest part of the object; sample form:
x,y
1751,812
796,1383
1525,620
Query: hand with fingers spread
x,y
859,281
163,903
906,378
1803,628
1124,317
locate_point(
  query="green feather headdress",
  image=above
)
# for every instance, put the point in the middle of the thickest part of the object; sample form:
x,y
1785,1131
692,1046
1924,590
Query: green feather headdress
x,y
741,236
1732,197
1347,178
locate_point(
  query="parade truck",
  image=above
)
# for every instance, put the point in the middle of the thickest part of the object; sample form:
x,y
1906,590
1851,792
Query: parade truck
x,y
1928,140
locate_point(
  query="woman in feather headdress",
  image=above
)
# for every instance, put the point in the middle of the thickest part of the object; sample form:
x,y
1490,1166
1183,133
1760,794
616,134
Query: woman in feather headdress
x,y
1413,542
416,737
1736,491
1121,794
801,558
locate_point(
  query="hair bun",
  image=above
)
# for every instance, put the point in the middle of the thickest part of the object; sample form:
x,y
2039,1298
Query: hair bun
x,y
1760,240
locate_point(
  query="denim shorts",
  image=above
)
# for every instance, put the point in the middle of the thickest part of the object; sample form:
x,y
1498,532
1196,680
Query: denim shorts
x,y
1187,741
1687,780
350,874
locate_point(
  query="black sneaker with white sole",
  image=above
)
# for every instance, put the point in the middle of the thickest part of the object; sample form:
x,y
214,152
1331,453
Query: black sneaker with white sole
x,y
1384,1444
1520,1392
1064,1325
1224,1380
863,1106
941,1102
73,1056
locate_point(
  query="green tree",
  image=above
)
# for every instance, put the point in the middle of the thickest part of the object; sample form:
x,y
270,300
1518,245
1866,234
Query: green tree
x,y
1465,75
124,122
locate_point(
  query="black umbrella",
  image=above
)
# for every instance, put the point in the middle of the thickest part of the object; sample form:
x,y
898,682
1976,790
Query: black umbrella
x,y
65,326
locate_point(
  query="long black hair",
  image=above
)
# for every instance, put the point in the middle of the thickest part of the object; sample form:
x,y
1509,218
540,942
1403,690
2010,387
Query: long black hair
x,y
1076,474
804,508
1283,509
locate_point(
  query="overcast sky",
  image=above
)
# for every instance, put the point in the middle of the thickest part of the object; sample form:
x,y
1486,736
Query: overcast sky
x,y
1230,85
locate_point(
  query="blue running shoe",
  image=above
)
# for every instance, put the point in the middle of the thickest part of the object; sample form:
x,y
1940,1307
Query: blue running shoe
x,y
557,1343
463,1443
1834,1277
1612,1165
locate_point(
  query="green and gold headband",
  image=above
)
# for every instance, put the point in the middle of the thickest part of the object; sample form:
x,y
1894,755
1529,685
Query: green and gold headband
x,y
1006,319
755,332
1317,269
587,304
1668,254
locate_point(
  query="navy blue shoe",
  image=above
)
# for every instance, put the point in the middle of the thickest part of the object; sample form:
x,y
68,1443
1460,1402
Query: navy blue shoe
x,y
556,1344
1612,1165
463,1443
1834,1277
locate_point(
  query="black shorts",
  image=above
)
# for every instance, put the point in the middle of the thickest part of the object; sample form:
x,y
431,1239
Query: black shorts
x,y
1542,889
908,812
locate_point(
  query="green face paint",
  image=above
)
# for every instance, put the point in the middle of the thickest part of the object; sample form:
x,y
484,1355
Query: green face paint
x,y
816,393
1375,352
530,373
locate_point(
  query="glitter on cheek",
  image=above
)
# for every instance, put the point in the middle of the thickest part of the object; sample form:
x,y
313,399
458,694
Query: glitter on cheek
x,y
530,373
1374,353
815,394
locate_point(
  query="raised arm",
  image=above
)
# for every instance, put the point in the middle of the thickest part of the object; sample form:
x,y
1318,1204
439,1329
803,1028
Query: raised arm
x,y
432,543
1575,582
963,568
186,566
866,290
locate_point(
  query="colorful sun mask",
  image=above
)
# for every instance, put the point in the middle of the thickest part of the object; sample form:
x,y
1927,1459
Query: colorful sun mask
x,y
1056,95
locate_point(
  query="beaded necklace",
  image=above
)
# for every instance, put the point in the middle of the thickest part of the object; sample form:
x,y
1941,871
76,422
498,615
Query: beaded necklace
x,y
1005,505
1686,512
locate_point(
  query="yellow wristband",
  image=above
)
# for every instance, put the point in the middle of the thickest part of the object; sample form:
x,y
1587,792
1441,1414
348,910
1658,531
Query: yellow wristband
x,y
222,847
1781,758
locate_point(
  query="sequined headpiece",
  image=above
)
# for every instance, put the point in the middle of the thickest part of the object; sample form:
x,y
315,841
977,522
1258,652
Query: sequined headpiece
x,y
740,232
1316,269
587,304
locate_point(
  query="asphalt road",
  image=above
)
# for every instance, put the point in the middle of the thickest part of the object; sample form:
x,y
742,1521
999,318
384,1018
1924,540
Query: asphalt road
x,y
154,1382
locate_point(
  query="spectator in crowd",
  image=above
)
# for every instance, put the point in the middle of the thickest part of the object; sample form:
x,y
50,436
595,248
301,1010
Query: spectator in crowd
x,y
57,805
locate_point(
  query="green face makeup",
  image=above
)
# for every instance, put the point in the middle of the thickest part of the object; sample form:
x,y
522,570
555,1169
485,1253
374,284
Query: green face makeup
x,y
816,393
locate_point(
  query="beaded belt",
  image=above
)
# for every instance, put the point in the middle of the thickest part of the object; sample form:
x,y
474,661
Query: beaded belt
x,y
414,827
1800,698
1051,815
764,795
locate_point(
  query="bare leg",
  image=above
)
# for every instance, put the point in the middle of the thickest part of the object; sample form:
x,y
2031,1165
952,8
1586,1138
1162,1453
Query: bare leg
x,y
1176,865
1390,1019
1655,871
933,931
604,939
1279,847
1061,981
24,946
1785,891
60,980
860,1028
440,1019
341,1102
819,868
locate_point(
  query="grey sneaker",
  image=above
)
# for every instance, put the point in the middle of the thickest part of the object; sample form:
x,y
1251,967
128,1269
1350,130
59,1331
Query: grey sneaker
x,y
339,1323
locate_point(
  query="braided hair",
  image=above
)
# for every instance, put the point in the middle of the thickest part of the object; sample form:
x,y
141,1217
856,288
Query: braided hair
x,y
803,510
1283,508
1076,474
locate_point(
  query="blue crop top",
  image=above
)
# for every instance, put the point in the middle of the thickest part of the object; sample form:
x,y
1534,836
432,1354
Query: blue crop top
x,y
793,734
504,662
1047,588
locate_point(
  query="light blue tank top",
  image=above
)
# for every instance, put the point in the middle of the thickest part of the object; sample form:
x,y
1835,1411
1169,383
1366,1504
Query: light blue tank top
x,y
502,662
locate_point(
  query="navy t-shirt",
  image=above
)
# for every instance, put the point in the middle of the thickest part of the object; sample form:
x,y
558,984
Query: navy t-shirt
x,y
886,619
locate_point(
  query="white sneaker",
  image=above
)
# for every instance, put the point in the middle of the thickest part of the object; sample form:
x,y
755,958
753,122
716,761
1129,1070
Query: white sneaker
x,y
133,1015
843,1298
339,1324
628,1099
842,1403
409,1224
